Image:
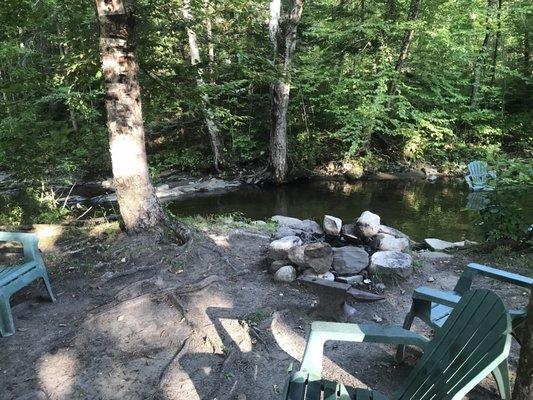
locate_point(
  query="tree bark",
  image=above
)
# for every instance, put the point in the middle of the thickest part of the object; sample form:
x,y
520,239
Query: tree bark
x,y
480,62
496,43
523,388
283,27
412,15
139,206
210,122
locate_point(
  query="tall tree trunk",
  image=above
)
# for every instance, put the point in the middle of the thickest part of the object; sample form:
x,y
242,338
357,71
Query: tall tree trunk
x,y
480,62
136,197
496,43
283,28
210,122
523,388
412,15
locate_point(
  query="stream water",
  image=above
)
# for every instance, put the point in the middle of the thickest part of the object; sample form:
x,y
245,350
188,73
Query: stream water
x,y
444,209
418,208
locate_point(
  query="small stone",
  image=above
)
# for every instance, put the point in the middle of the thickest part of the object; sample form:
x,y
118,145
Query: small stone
x,y
327,276
377,318
332,225
431,279
381,286
352,280
318,256
279,249
285,274
276,265
367,281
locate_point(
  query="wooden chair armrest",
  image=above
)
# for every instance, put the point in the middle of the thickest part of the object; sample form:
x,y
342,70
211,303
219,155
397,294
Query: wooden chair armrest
x,y
503,276
321,332
449,299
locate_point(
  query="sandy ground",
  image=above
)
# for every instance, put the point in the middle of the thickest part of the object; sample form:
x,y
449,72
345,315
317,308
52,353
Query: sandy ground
x,y
136,319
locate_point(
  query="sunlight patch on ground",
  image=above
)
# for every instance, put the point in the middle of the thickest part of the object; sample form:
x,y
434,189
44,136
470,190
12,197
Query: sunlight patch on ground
x,y
220,240
57,374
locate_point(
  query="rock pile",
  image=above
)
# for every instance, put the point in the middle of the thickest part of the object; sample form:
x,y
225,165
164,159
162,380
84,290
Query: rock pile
x,y
337,251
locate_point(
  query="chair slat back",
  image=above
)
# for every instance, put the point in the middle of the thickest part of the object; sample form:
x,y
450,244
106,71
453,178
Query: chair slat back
x,y
478,171
472,342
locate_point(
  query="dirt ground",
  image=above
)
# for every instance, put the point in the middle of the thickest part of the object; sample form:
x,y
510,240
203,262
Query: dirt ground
x,y
137,319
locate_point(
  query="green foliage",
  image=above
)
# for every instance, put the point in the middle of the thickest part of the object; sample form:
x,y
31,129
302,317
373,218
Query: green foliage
x,y
504,220
52,116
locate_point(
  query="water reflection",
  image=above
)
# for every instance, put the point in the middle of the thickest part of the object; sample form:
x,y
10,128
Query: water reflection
x,y
419,208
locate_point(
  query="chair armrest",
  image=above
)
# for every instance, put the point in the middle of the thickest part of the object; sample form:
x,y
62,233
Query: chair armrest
x,y
449,299
321,332
503,276
29,243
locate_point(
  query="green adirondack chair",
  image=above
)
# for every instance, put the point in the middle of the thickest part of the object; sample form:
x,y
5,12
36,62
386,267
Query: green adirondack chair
x,y
15,277
473,341
478,175
435,306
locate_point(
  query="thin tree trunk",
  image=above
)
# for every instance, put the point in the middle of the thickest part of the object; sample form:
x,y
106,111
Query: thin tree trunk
x,y
136,197
480,62
412,15
63,50
496,44
523,388
283,29
210,122
210,45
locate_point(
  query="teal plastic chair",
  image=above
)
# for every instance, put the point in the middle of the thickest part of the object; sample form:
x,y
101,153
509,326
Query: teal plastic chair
x,y
15,277
473,341
478,175
434,307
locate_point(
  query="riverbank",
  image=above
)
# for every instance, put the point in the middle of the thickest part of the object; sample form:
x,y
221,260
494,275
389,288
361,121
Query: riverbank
x,y
138,319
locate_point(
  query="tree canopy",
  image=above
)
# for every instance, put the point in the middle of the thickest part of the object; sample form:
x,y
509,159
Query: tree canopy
x,y
464,87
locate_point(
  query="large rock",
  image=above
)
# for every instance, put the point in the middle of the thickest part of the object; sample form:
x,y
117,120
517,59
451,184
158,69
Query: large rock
x,y
279,249
297,257
284,231
393,232
440,245
286,221
332,225
285,274
391,263
306,225
318,256
386,242
368,224
349,260
311,226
